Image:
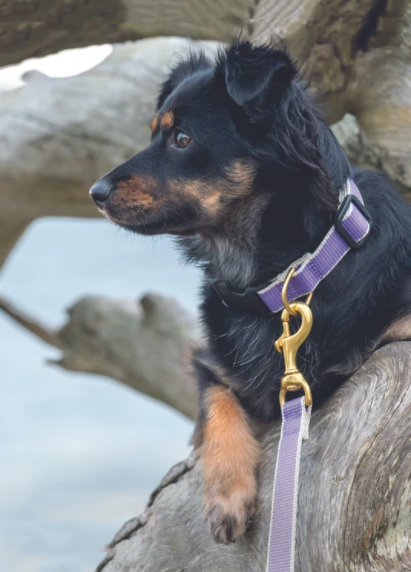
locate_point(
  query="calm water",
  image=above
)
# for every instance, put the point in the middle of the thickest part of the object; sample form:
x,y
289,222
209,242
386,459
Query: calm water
x,y
79,453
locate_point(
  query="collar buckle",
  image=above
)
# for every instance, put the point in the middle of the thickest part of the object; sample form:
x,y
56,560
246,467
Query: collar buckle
x,y
341,213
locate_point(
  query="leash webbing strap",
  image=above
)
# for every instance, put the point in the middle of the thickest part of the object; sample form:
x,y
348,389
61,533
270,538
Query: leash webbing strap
x,y
281,544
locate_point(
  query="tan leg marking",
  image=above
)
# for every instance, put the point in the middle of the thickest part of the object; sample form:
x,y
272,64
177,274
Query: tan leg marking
x,y
230,456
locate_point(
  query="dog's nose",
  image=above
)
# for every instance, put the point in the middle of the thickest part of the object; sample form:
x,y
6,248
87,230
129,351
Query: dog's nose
x,y
100,191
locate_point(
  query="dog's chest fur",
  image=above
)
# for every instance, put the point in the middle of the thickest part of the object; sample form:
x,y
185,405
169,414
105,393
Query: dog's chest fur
x,y
353,308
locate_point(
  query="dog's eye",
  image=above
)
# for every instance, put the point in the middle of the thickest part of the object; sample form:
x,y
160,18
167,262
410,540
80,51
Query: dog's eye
x,y
182,140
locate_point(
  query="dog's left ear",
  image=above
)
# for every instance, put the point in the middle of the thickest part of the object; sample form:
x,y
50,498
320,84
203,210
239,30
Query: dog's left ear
x,y
257,76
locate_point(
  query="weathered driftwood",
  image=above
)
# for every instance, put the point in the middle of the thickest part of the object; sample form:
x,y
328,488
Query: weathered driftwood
x,y
30,28
329,36
380,95
355,493
357,54
145,345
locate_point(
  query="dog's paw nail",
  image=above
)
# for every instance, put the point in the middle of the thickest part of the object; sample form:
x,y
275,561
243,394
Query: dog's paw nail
x,y
227,523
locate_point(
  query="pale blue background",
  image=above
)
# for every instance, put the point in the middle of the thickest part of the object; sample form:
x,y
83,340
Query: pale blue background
x,y
79,453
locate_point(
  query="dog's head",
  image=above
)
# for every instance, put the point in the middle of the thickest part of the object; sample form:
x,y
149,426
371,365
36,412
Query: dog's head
x,y
221,130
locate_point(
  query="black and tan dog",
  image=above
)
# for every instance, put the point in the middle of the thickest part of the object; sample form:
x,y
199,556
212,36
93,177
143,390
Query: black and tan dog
x,y
245,172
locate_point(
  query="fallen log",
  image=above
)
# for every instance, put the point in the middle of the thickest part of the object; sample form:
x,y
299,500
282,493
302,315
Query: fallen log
x,y
355,491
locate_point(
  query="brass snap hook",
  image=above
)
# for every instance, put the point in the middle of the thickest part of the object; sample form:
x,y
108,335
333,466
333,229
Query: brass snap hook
x,y
289,344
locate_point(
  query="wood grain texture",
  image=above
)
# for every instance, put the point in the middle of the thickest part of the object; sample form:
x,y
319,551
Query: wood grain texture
x,y
321,36
383,78
327,35
356,54
355,492
33,28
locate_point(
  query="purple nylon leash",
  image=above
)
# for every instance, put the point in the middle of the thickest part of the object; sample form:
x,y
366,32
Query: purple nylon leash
x,y
351,227
294,429
281,544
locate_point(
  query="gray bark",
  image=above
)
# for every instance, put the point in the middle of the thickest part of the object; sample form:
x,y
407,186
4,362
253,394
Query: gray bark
x,y
31,28
355,491
357,54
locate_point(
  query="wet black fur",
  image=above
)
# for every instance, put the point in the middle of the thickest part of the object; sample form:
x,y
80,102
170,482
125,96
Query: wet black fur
x,y
252,104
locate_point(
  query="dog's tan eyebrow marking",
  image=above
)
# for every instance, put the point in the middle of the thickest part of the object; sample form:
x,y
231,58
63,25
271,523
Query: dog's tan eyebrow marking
x,y
167,121
154,123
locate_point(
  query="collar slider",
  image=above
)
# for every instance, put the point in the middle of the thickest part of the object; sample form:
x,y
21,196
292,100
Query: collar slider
x,y
342,214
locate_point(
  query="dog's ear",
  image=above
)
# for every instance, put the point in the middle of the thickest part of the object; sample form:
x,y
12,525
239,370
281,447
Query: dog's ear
x,y
257,76
196,61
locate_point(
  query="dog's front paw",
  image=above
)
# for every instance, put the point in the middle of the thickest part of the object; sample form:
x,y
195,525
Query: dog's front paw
x,y
229,516
230,455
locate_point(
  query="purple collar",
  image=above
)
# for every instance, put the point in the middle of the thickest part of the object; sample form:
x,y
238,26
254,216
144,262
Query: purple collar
x,y
351,227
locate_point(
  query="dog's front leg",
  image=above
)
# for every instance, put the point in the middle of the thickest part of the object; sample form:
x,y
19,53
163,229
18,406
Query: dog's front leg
x,y
230,455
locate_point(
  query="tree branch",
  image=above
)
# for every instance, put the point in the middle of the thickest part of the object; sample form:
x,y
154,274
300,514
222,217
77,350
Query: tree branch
x,y
145,345
31,324
32,29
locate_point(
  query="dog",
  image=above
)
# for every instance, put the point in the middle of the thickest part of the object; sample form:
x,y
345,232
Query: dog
x,y
243,170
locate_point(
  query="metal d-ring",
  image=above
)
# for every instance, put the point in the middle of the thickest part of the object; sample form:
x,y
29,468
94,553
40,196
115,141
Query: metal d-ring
x,y
284,297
